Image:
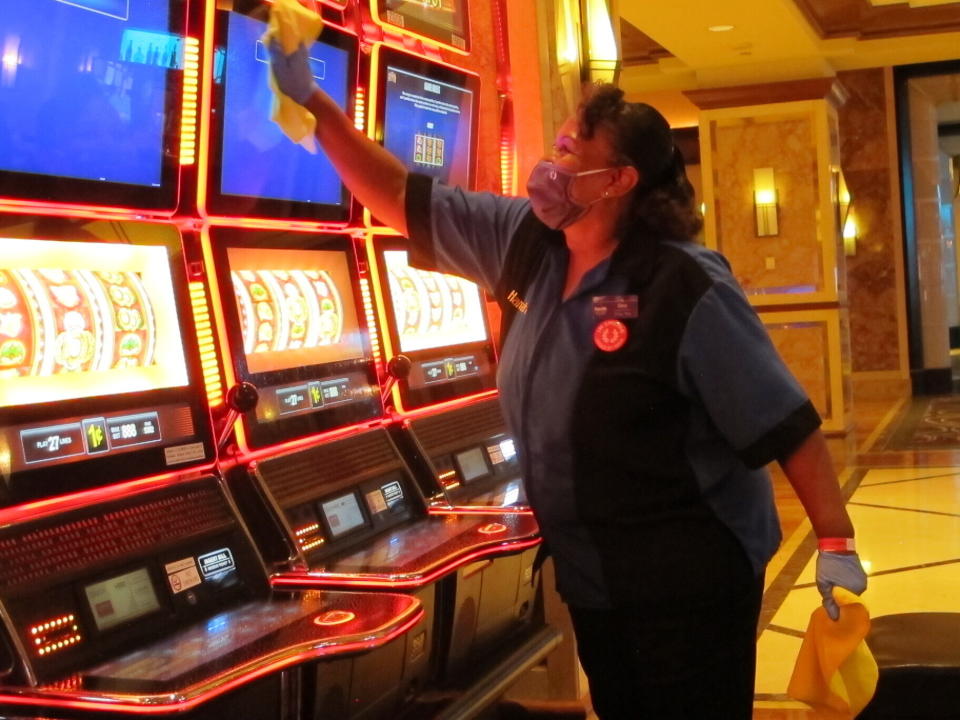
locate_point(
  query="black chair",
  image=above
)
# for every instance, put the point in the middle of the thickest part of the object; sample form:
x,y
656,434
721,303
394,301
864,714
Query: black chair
x,y
919,659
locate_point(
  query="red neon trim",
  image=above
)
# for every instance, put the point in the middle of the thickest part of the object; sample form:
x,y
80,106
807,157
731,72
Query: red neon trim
x,y
167,706
247,455
278,223
95,212
447,405
40,508
329,580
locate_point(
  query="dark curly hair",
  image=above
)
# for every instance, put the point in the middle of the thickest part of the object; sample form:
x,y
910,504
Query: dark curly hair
x,y
663,204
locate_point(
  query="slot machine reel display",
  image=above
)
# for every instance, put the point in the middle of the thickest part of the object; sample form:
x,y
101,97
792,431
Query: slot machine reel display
x,y
438,321
436,310
61,321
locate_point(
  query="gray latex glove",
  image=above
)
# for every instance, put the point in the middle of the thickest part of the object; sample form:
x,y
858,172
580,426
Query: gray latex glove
x,y
292,72
839,570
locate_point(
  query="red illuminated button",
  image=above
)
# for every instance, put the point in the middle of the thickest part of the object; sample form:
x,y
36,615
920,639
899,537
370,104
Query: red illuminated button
x,y
335,617
493,528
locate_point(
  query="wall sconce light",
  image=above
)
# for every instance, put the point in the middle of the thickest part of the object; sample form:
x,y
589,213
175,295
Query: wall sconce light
x,y
844,201
765,202
603,54
851,234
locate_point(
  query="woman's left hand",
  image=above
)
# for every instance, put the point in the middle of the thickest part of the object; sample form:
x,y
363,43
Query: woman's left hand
x,y
839,570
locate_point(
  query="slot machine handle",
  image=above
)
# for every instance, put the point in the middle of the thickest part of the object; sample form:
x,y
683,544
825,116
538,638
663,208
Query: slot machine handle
x,y
242,397
397,369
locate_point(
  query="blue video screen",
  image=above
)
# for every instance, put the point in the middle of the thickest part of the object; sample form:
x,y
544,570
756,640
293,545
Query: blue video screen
x,y
83,87
257,159
427,124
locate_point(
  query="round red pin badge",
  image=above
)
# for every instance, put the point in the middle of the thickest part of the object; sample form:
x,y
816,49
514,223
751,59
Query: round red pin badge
x,y
610,335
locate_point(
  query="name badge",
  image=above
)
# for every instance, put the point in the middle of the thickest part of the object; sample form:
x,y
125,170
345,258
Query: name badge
x,y
616,307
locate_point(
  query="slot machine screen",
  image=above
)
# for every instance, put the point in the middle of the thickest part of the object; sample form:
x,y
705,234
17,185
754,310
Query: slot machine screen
x,y
256,169
98,364
445,21
426,115
438,321
293,314
90,97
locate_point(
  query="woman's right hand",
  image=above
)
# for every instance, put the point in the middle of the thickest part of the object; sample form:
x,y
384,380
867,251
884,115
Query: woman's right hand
x,y
292,72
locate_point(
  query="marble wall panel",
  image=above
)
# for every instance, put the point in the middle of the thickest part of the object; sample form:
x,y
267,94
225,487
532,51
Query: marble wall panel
x,y
871,274
874,300
804,347
790,261
863,121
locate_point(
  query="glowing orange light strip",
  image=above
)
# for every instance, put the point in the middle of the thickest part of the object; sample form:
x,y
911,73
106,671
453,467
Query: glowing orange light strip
x,y
381,310
162,704
360,110
480,510
371,324
305,580
209,361
191,97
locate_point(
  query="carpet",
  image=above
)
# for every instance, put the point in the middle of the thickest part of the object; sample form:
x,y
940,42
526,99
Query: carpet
x,y
927,423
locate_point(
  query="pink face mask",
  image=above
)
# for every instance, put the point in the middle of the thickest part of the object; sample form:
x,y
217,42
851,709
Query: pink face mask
x,y
549,191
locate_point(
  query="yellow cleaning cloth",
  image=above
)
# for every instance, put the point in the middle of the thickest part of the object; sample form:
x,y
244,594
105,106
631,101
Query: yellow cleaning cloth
x,y
835,671
292,24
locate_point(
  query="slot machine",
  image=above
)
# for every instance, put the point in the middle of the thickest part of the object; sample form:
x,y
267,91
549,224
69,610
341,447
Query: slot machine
x,y
448,422
425,113
129,584
316,468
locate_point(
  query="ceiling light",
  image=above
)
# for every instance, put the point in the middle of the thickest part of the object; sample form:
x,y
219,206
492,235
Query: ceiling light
x,y
720,28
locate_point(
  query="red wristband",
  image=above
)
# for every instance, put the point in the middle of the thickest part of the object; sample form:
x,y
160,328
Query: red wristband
x,y
836,545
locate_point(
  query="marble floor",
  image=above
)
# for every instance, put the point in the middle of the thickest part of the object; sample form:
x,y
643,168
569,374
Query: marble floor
x,y
906,509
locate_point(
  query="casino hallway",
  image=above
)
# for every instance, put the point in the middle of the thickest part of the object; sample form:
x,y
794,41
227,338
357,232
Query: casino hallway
x,y
902,480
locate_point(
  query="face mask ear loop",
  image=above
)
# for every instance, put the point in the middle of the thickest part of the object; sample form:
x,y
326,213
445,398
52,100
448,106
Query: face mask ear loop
x,y
605,194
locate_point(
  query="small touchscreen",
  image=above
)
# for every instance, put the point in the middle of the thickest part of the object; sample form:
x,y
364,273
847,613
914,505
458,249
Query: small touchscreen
x,y
121,598
343,514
